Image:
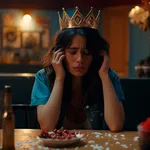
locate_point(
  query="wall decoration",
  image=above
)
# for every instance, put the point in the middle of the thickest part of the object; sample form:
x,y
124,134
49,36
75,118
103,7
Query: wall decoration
x,y
31,40
11,37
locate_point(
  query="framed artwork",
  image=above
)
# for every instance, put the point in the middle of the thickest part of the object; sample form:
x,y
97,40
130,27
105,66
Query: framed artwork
x,y
31,40
11,37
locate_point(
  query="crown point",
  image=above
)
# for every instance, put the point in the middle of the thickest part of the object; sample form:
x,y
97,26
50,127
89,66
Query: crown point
x,y
63,8
91,7
58,12
77,7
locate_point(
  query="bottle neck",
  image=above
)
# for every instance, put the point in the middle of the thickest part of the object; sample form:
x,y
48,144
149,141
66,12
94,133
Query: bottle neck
x,y
7,99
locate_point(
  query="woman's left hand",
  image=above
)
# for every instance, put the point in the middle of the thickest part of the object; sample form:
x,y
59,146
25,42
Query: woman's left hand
x,y
105,65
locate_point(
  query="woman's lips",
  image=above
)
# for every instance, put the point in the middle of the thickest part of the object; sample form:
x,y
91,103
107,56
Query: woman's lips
x,y
79,68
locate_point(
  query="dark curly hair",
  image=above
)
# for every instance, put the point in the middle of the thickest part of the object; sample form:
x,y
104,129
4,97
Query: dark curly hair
x,y
91,80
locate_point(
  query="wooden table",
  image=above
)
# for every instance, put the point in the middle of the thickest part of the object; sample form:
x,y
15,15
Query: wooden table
x,y
97,140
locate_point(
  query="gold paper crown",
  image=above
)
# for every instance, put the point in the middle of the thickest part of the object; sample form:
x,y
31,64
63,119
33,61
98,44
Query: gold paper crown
x,y
78,20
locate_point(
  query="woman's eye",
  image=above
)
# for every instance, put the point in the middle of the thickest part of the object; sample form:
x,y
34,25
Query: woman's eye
x,y
72,51
86,52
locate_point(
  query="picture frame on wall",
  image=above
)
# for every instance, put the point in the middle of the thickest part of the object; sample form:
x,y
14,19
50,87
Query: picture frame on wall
x,y
31,40
11,37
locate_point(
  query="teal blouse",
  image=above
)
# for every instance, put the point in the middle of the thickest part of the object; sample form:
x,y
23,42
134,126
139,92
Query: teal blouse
x,y
41,92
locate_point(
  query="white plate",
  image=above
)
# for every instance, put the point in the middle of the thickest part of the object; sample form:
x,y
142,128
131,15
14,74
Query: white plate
x,y
60,143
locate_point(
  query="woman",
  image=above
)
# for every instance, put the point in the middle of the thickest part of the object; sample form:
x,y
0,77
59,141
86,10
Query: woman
x,y
76,88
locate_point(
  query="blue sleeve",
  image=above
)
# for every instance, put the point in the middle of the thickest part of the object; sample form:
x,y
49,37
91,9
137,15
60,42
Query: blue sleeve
x,y
40,91
117,86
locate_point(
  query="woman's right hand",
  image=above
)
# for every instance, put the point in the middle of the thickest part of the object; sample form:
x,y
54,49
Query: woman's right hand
x,y
57,58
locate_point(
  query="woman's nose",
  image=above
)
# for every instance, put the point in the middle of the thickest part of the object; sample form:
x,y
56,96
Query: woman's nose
x,y
80,57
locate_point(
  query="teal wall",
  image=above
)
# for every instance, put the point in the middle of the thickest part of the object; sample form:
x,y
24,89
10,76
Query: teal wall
x,y
139,47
